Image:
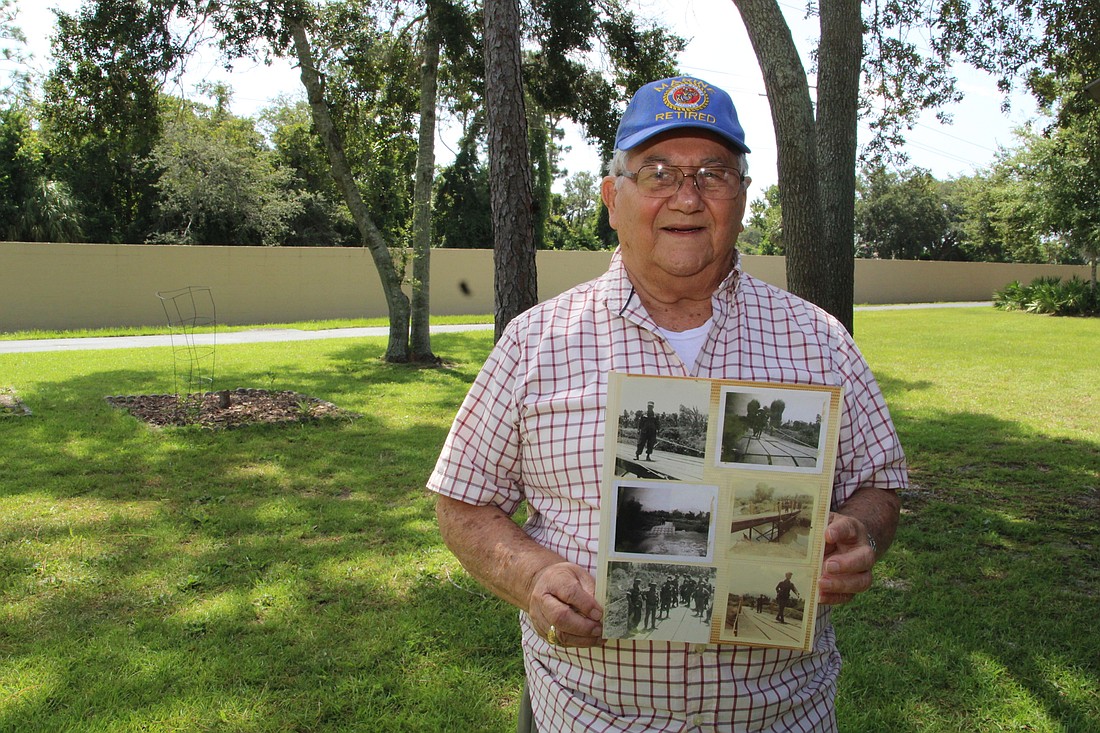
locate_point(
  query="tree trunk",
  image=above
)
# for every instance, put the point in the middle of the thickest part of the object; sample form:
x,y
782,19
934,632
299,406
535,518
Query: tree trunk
x,y
813,156
840,59
509,168
396,300
420,340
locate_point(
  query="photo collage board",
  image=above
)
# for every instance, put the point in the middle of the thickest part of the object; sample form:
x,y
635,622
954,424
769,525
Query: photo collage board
x,y
714,502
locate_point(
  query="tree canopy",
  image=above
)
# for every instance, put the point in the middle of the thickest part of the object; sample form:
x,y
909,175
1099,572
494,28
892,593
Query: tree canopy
x,y
886,62
103,154
217,182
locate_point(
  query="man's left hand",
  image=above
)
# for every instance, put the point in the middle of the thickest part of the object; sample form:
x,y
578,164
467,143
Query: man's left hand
x,y
846,569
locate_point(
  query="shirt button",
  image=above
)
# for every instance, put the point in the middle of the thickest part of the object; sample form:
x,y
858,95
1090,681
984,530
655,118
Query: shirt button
x,y
698,648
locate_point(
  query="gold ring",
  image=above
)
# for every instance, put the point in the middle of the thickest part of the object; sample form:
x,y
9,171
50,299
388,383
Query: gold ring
x,y
552,636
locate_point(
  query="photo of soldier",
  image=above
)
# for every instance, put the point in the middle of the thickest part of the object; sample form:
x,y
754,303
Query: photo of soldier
x,y
667,591
661,428
635,603
685,590
783,596
759,610
648,424
660,602
652,600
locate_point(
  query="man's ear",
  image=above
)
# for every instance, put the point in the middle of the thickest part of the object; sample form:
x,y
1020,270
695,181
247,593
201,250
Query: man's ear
x,y
743,202
608,192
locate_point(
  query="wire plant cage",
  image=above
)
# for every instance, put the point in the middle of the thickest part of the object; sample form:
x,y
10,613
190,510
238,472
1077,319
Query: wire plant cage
x,y
193,326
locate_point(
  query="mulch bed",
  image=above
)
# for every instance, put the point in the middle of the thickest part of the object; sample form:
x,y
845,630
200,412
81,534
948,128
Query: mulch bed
x,y
11,405
228,409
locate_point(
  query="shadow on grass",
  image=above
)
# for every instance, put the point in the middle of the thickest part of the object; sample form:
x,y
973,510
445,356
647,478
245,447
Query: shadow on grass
x,y
261,579
983,612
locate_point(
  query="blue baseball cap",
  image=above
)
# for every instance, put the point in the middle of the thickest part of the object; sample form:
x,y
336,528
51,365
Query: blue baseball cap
x,y
679,102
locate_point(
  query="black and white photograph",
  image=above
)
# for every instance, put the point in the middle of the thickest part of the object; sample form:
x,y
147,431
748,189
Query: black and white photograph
x,y
659,602
662,428
773,429
772,518
664,520
767,604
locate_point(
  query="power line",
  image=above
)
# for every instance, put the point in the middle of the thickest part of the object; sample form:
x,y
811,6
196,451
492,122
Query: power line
x,y
943,154
956,137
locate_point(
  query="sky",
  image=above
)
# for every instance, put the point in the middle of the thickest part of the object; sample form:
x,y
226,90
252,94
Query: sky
x,y
718,52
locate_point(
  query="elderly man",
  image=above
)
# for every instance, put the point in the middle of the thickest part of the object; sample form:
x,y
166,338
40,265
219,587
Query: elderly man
x,y
673,302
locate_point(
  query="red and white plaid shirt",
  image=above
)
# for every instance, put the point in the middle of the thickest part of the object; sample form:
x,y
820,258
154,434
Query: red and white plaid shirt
x,y
532,429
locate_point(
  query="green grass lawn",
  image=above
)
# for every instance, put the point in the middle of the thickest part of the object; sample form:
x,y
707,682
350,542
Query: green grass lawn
x,y
304,326
983,616
292,578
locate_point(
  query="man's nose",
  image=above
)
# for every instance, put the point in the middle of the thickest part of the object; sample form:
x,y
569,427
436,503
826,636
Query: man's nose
x,y
687,197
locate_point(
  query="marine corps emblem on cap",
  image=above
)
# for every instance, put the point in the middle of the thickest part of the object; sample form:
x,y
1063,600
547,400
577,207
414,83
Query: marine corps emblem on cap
x,y
687,96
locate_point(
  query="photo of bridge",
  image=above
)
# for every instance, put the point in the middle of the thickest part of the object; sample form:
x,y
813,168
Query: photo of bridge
x,y
775,429
772,519
746,620
774,450
767,605
665,465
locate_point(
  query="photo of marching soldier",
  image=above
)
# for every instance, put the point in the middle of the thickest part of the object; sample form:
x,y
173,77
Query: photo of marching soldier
x,y
662,428
659,602
766,605
773,429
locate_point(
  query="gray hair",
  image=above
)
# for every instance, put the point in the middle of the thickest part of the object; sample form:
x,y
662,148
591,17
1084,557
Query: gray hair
x,y
617,166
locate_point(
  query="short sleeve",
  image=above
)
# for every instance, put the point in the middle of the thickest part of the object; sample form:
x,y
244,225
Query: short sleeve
x,y
869,453
479,463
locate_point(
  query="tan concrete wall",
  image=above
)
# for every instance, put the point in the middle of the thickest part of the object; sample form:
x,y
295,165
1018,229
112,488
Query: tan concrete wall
x,y
66,286
908,281
60,286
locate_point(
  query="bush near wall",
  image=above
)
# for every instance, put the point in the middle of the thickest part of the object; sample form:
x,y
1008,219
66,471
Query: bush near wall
x,y
1050,296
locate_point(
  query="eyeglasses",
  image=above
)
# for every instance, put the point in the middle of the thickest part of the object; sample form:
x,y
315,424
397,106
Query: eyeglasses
x,y
662,181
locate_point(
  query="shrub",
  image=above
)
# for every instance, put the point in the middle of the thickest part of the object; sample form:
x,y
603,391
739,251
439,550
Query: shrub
x,y
1050,296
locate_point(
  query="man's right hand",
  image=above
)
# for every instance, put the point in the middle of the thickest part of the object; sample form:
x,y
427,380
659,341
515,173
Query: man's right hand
x,y
563,595
500,555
